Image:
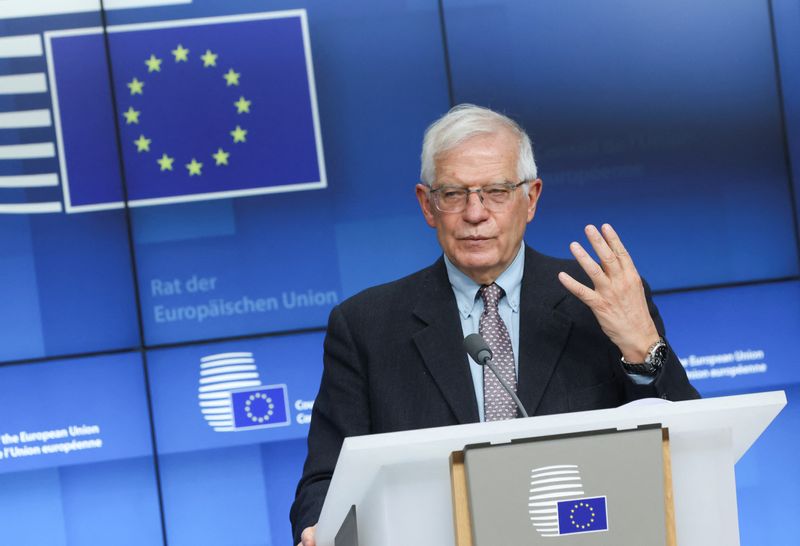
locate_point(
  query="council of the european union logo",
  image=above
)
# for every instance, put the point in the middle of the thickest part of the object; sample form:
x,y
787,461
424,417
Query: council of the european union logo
x,y
200,109
232,397
558,506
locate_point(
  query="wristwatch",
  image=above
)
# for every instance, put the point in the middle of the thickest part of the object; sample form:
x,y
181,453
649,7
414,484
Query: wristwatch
x,y
656,356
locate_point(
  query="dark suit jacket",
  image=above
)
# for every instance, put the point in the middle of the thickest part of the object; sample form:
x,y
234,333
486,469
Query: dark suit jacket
x,y
394,360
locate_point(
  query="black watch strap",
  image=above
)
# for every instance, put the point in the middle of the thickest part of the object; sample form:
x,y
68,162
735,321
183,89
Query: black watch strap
x,y
653,361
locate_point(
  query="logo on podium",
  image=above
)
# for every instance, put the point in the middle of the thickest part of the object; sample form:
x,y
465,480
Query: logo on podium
x,y
558,504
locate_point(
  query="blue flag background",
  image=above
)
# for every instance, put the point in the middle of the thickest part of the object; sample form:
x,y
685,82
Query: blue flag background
x,y
229,96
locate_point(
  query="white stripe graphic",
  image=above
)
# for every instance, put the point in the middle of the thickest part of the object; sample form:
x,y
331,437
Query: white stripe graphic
x,y
553,480
27,151
29,45
33,8
553,487
225,362
228,386
556,495
23,83
221,356
217,411
228,377
226,423
554,473
215,403
228,369
25,118
29,180
212,395
554,467
30,208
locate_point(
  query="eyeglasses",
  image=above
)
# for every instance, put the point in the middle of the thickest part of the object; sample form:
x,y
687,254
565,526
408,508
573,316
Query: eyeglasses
x,y
495,197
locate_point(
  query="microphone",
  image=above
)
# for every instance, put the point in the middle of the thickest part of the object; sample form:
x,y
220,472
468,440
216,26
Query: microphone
x,y
480,352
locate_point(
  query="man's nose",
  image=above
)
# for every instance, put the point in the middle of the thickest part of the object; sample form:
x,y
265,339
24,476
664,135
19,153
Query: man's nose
x,y
475,211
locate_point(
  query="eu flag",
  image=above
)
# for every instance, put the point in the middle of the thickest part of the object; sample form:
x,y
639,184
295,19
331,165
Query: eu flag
x,y
260,407
206,108
586,515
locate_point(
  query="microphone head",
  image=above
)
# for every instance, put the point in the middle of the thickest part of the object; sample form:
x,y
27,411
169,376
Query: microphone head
x,y
477,348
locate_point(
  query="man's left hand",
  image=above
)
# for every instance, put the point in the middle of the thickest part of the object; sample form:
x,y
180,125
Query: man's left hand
x,y
617,300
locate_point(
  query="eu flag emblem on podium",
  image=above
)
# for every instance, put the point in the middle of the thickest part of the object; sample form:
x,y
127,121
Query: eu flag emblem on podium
x,y
586,515
206,109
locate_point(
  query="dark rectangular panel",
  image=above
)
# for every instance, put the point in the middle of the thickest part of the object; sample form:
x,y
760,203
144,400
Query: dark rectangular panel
x,y
662,118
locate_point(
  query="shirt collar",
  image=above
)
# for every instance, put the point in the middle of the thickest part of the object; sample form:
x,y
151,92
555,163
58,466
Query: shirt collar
x,y
466,290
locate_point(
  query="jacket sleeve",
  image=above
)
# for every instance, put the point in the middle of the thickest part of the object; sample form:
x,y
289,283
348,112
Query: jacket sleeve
x,y
341,409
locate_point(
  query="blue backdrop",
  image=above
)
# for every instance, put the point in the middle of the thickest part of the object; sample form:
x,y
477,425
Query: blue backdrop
x,y
269,151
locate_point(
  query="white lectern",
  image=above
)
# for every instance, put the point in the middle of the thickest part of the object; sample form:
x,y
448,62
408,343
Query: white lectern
x,y
400,482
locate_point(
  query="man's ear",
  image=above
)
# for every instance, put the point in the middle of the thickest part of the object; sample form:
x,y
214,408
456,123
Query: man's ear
x,y
425,204
534,192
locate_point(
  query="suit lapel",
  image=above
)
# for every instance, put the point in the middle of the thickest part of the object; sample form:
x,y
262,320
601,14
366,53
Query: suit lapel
x,y
543,330
439,342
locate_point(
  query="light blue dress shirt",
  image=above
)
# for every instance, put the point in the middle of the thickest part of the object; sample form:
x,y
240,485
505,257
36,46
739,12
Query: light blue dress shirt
x,y
470,308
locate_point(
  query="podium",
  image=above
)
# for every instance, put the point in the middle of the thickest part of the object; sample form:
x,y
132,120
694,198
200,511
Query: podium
x,y
400,482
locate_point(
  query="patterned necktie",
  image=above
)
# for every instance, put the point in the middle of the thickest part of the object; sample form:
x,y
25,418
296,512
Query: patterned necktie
x,y
497,403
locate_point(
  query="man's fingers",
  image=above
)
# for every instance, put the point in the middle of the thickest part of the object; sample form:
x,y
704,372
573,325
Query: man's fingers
x,y
615,243
588,264
607,256
307,536
580,291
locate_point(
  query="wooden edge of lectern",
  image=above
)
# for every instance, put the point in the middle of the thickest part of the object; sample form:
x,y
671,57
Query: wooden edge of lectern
x,y
462,524
669,504
458,483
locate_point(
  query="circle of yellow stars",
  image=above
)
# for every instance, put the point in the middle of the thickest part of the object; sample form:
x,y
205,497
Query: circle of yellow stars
x,y
181,55
572,515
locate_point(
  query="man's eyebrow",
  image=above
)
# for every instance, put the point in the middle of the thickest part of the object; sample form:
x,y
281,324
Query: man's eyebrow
x,y
486,183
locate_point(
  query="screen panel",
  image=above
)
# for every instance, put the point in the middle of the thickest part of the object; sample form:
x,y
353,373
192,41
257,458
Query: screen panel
x,y
76,452
231,421
786,17
738,338
662,118
65,280
280,261
766,477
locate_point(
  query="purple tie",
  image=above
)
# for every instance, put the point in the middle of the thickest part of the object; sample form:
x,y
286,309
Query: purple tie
x,y
497,403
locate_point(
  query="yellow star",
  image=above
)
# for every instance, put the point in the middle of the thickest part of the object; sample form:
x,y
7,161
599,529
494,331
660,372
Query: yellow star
x,y
231,77
136,87
221,157
131,116
165,162
242,106
142,144
209,59
181,54
239,134
153,64
194,167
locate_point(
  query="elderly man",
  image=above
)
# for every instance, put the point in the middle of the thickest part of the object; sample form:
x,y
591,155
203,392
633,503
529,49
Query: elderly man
x,y
566,335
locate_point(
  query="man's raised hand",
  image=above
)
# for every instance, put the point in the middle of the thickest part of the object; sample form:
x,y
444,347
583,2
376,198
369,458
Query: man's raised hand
x,y
617,298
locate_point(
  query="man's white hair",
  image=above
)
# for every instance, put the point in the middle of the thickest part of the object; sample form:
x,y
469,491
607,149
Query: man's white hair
x,y
463,122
